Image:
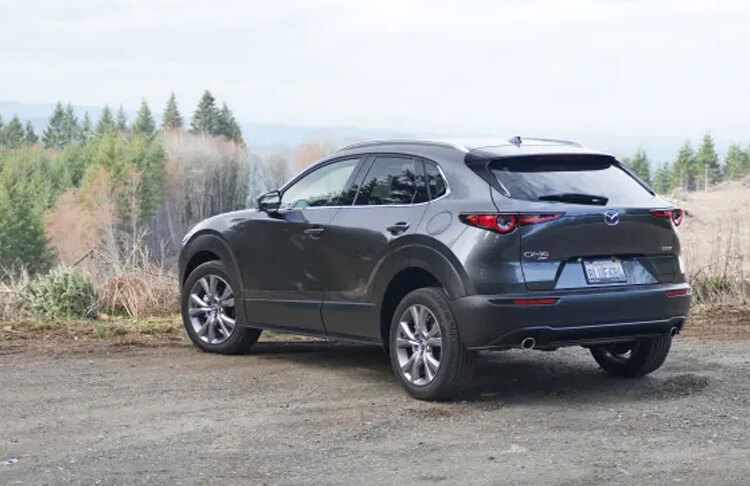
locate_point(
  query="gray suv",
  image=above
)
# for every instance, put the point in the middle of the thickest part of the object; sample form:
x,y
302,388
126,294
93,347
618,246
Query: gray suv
x,y
437,250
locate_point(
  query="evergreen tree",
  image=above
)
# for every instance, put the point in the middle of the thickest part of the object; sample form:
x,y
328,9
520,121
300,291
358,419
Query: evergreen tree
x,y
86,129
23,242
30,137
172,119
684,169
707,162
227,126
1,121
54,134
205,118
663,179
69,125
11,135
640,165
144,123
736,163
106,122
121,122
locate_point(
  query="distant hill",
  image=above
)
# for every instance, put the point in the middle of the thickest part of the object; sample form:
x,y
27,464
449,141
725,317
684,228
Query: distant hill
x,y
266,137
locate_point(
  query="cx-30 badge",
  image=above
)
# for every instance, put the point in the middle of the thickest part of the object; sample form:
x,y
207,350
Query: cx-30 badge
x,y
611,218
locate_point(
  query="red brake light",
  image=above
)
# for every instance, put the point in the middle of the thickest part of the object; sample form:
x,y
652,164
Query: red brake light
x,y
675,215
500,223
527,219
506,223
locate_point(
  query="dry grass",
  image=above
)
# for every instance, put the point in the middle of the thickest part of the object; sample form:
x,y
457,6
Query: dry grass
x,y
139,294
715,239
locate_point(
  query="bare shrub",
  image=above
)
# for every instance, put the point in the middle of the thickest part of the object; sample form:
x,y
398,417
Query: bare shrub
x,y
139,294
133,281
13,302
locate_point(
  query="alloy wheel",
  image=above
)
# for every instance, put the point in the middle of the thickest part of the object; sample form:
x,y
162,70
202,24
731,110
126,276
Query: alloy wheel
x,y
211,309
418,345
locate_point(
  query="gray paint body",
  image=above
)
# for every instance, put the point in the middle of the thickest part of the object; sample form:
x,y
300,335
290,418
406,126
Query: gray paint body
x,y
333,283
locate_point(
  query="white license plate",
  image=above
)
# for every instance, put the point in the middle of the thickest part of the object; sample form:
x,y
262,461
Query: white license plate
x,y
604,271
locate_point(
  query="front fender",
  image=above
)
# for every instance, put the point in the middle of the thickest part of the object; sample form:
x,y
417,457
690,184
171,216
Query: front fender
x,y
212,242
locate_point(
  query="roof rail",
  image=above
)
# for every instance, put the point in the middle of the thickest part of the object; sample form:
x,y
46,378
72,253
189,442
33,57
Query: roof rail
x,y
517,140
373,143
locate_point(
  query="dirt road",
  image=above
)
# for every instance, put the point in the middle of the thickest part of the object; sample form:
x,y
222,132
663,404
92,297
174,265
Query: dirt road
x,y
314,413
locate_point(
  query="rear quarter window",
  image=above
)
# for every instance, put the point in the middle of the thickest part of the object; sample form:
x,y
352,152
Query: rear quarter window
x,y
535,178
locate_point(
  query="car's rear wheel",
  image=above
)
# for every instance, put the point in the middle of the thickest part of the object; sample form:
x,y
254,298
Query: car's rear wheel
x,y
635,358
426,351
210,314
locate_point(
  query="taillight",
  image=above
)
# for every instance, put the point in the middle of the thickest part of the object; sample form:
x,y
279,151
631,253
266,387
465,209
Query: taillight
x,y
674,215
527,219
506,223
501,223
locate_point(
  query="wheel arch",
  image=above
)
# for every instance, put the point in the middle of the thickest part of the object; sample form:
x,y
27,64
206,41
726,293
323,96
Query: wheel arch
x,y
205,247
409,269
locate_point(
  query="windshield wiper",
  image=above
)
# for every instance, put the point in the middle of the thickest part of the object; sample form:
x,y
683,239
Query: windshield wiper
x,y
575,198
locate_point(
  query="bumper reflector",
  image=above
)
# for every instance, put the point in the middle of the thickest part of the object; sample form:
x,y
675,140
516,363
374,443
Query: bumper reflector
x,y
535,301
677,293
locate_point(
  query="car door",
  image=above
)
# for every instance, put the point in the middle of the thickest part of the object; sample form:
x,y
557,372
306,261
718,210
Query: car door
x,y
390,202
282,252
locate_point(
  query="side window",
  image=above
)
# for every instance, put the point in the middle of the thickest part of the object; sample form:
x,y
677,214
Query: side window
x,y
322,187
391,180
435,181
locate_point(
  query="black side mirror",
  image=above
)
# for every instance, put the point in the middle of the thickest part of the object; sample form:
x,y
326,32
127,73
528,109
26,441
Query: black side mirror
x,y
270,201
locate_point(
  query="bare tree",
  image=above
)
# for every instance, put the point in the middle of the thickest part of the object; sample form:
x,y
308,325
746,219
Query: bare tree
x,y
277,170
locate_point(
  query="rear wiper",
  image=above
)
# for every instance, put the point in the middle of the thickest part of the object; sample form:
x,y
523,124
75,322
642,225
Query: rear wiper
x,y
576,198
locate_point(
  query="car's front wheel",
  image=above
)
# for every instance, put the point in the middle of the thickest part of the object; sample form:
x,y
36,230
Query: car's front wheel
x,y
635,358
210,314
426,351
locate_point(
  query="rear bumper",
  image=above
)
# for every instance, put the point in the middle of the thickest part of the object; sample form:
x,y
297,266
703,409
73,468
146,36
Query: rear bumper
x,y
580,317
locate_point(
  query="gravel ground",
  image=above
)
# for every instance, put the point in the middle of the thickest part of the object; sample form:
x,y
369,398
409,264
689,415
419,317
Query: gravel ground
x,y
318,413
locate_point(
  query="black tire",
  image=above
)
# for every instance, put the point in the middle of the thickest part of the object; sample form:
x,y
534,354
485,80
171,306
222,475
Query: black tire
x,y
456,367
634,359
241,337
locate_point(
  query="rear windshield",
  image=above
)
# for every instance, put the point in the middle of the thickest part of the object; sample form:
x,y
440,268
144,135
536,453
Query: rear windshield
x,y
551,178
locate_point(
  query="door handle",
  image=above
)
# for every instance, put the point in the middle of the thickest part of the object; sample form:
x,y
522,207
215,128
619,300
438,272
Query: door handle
x,y
398,228
314,232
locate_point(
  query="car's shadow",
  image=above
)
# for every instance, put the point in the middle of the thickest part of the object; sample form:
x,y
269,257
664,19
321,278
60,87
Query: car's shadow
x,y
512,376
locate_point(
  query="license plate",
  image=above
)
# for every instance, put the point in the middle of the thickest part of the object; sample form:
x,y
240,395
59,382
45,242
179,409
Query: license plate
x,y
604,271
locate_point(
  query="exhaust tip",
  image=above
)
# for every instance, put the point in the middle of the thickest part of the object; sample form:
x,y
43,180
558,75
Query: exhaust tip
x,y
528,343
674,331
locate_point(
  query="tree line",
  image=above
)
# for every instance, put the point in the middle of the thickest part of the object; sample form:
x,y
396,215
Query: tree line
x,y
692,170
66,188
64,126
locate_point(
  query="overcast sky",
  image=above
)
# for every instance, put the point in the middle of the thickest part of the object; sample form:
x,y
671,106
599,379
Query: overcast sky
x,y
470,67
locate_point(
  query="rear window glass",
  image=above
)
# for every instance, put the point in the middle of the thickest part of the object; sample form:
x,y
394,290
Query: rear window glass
x,y
558,177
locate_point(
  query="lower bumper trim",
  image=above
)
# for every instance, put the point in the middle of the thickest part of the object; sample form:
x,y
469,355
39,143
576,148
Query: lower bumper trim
x,y
548,337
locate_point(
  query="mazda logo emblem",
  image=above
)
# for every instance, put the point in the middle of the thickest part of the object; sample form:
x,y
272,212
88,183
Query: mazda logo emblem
x,y
611,218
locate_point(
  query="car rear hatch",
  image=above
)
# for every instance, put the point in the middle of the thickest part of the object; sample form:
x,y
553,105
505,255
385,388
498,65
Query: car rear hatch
x,y
599,224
